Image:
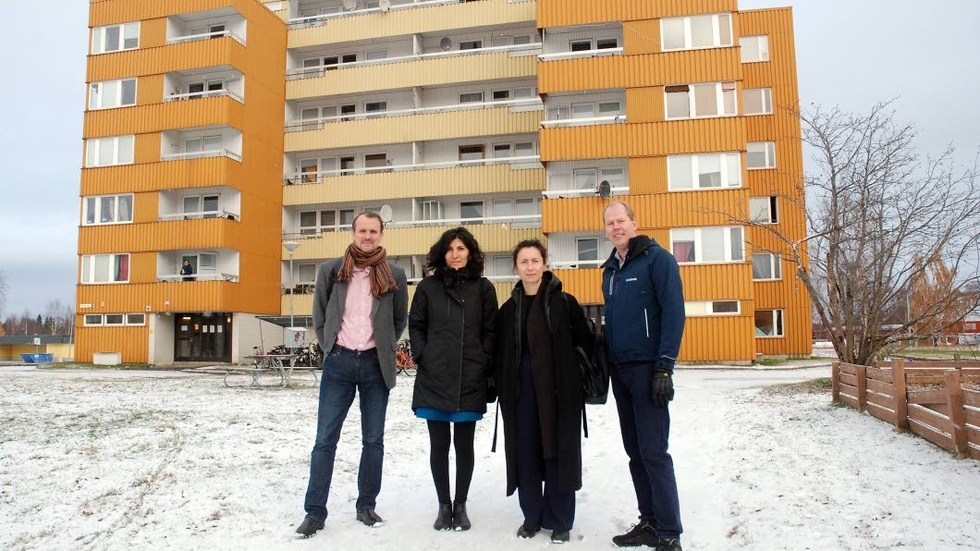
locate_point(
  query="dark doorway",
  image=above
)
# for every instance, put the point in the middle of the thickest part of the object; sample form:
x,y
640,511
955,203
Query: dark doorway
x,y
202,337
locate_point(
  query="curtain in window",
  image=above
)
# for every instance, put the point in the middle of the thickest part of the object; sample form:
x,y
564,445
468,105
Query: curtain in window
x,y
121,267
684,251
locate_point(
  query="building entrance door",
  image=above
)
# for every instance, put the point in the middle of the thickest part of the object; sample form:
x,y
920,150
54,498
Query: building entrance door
x,y
202,337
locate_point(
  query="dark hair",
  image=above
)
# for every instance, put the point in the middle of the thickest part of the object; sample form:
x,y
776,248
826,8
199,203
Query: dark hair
x,y
436,259
530,244
368,214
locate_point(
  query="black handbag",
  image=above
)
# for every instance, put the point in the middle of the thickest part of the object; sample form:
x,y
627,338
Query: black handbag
x,y
594,368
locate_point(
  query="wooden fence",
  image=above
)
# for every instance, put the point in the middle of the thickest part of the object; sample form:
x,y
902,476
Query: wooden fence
x,y
931,398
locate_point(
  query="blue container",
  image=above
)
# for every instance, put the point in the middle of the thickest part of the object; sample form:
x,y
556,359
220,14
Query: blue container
x,y
37,358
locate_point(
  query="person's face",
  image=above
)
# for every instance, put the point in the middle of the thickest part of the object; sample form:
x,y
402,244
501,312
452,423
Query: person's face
x,y
619,227
530,266
367,234
458,255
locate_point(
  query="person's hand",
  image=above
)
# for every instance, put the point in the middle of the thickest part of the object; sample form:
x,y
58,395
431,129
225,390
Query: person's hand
x,y
662,384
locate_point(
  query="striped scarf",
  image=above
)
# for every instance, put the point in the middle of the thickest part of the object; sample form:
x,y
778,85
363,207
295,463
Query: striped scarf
x,y
382,280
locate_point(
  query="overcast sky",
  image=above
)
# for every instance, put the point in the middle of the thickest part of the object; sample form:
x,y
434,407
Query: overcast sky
x,y
851,53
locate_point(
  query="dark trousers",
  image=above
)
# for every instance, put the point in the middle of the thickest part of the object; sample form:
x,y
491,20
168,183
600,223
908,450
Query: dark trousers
x,y
645,431
344,373
439,440
551,509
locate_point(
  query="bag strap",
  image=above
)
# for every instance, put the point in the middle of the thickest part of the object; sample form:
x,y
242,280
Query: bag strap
x,y
585,421
496,421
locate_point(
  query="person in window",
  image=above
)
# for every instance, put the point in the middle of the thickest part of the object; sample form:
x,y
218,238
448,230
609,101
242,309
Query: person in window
x,y
187,271
450,326
539,386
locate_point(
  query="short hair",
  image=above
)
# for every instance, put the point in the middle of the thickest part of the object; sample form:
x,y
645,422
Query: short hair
x,y
629,210
530,244
368,214
436,259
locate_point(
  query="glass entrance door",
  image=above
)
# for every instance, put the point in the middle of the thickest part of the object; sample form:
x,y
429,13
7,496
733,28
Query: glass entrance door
x,y
202,337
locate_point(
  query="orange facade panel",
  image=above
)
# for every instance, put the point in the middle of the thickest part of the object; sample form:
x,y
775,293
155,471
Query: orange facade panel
x,y
708,339
215,111
131,342
731,281
176,296
635,71
584,284
161,236
156,176
164,59
561,13
107,12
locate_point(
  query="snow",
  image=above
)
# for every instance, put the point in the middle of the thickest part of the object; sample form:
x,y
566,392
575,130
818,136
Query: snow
x,y
105,459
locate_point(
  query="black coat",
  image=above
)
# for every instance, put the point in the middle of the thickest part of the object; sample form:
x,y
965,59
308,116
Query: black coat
x,y
451,330
568,328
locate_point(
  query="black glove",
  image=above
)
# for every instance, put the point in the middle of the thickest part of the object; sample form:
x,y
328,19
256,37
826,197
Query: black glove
x,y
662,384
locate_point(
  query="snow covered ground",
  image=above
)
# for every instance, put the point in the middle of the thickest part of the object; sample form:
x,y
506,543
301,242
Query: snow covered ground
x,y
157,460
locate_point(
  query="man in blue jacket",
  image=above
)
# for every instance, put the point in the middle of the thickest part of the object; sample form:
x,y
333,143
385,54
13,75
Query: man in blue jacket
x,y
644,317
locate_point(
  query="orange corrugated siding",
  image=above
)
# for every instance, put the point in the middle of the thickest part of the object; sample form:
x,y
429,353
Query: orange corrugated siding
x,y
175,57
161,236
132,342
173,296
141,119
211,171
713,338
559,13
643,139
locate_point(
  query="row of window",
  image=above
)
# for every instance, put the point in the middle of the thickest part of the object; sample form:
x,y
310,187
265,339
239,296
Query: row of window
x,y
118,209
114,268
768,323
710,31
114,319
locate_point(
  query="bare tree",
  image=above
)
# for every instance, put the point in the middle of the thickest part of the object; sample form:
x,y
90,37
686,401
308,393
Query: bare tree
x,y
875,206
3,291
58,317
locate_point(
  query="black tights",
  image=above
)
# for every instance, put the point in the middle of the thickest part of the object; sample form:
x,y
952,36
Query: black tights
x,y
439,439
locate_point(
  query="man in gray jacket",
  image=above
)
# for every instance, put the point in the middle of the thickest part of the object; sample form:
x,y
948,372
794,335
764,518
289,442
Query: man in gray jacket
x,y
359,310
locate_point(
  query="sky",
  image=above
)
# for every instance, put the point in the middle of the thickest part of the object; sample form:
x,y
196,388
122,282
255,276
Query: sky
x,y
850,53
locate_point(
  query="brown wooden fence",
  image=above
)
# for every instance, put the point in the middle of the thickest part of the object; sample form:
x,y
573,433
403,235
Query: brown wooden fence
x,y
939,401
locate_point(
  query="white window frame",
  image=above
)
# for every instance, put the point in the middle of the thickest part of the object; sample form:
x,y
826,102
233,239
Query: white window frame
x,y
306,266
121,149
321,226
92,208
474,219
763,210
724,92
113,317
775,266
99,35
766,149
730,234
474,44
756,44
89,268
578,249
731,170
96,320
717,21
131,319
778,324
698,308
200,203
764,100
471,97
99,94
375,55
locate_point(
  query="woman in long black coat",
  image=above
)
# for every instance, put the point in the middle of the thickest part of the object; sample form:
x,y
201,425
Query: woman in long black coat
x,y
451,330
539,389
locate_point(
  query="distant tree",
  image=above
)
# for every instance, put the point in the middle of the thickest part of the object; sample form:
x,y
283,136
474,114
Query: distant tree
x,y
875,205
3,291
937,301
58,317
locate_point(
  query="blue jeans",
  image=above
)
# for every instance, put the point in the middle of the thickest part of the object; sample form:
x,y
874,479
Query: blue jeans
x,y
645,431
344,372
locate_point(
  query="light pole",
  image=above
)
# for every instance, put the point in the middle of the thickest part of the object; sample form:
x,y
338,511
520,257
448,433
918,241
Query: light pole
x,y
291,246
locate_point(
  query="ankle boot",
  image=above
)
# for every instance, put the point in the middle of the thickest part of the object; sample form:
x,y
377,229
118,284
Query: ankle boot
x,y
461,521
444,520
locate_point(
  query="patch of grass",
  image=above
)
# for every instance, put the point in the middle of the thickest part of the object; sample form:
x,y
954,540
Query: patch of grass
x,y
815,386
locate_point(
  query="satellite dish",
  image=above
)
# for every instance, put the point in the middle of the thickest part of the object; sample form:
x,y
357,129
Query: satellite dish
x,y
350,5
604,190
446,44
385,213
385,5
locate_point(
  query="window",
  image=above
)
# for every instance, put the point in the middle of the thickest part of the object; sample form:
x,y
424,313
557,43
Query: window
x,y
470,152
754,48
705,171
114,319
585,178
524,93
470,44
205,206
500,95
375,107
112,93
760,155
700,31
525,149
607,108
768,323
202,144
765,266
757,101
373,161
306,273
501,150
762,210
469,210
707,245
105,268
376,54
117,150
587,249
503,265
315,222
499,41
711,308
135,319
125,36
716,99
92,319
583,110
471,97
524,39
580,45
606,43
107,209
206,88
431,210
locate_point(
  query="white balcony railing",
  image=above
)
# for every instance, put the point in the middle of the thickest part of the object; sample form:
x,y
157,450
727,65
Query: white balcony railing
x,y
205,36
602,52
204,94
572,264
200,155
317,124
527,161
321,19
582,192
321,70
584,121
201,214
206,276
517,220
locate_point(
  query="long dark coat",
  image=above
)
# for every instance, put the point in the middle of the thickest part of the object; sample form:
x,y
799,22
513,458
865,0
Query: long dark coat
x,y
451,330
567,328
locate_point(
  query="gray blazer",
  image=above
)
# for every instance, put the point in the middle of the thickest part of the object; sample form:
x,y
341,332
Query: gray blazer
x,y
389,314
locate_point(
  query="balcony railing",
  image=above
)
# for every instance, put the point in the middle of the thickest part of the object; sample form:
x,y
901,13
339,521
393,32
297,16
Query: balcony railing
x,y
317,124
204,94
582,192
584,121
201,214
572,264
317,177
519,220
200,155
209,276
321,19
602,52
321,70
205,36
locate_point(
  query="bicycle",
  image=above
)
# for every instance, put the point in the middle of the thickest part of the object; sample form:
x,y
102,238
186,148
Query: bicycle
x,y
403,358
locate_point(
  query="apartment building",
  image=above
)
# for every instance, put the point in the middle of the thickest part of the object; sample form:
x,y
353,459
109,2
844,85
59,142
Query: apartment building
x,y
244,138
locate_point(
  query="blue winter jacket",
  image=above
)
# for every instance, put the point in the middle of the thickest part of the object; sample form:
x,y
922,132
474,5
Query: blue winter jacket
x,y
644,304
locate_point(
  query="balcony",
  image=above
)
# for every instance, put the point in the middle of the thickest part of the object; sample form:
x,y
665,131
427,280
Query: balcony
x,y
206,25
206,83
200,203
201,143
317,177
205,265
339,10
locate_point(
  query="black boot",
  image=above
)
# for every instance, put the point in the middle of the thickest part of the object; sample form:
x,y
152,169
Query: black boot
x,y
461,521
444,520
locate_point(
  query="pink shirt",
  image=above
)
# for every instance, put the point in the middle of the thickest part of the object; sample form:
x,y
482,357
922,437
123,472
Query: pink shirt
x,y
356,328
